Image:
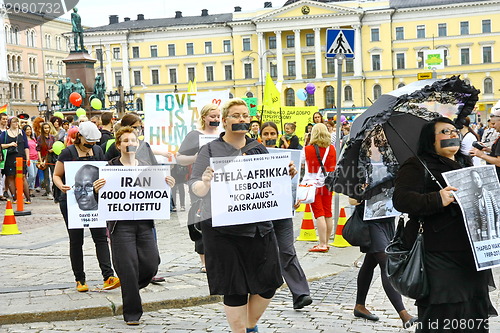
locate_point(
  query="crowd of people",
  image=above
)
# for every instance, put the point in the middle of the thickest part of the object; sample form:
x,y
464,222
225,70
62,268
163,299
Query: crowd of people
x,y
232,256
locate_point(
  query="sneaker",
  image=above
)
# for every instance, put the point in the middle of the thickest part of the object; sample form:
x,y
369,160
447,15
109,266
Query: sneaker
x,y
50,197
183,209
45,194
111,283
82,287
38,189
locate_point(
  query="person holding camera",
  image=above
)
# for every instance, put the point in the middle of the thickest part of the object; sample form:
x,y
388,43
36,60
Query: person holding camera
x,y
469,137
494,152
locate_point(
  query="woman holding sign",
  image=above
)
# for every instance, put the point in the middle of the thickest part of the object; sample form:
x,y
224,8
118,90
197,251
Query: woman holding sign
x,y
242,261
133,243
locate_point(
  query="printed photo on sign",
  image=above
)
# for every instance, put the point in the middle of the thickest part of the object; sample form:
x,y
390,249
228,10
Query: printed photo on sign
x,y
380,206
82,201
295,156
248,189
134,193
204,139
477,195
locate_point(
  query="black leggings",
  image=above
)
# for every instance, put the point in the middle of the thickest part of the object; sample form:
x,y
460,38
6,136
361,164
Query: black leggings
x,y
365,276
239,300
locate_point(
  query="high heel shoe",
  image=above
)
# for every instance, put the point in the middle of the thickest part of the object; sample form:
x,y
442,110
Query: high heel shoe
x,y
409,323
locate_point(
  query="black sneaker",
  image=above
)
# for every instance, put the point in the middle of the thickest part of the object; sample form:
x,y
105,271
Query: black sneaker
x,y
302,301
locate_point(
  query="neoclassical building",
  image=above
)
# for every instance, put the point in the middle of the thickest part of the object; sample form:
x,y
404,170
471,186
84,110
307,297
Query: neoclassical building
x,y
234,50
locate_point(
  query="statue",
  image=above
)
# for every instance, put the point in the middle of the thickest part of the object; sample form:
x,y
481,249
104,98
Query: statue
x,y
77,29
68,89
80,88
99,89
60,92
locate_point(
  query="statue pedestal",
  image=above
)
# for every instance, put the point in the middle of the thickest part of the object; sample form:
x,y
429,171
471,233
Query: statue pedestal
x,y
80,65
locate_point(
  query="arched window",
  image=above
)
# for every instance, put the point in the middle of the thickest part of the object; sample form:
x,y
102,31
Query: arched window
x,y
11,37
20,91
231,95
6,34
13,60
8,63
401,85
16,36
377,91
348,93
138,103
310,100
488,85
249,94
289,97
15,90
329,97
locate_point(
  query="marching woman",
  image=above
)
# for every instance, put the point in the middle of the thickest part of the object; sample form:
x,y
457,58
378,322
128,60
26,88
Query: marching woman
x,y
133,243
242,260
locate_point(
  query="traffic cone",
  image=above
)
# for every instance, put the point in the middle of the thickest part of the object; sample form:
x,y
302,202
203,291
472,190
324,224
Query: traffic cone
x,y
302,208
338,240
307,231
9,221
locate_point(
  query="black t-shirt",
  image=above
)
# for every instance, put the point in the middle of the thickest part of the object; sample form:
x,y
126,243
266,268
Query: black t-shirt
x,y
191,144
495,151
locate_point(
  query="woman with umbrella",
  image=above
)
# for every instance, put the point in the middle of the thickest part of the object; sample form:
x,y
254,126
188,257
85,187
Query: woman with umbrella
x,y
458,292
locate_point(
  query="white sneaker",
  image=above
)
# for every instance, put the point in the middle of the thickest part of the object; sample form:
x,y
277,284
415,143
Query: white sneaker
x,y
50,196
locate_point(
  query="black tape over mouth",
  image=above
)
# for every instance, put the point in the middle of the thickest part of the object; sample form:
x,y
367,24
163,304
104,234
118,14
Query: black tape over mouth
x,y
453,142
240,127
131,149
214,123
271,142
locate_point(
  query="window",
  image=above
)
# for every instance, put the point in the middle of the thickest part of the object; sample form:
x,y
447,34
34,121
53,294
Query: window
x,y
464,28
135,52
191,74
139,104
486,26
118,79
171,50
291,68
210,73
248,71
446,57
310,100
155,76
400,61
330,65
420,31
227,46
348,93
464,56
228,72
273,70
98,54
375,34
487,54
309,39
154,51
488,86
16,38
290,97
189,49
442,30
401,85
377,91
400,33
249,94
208,47
173,75
246,44
329,97
349,65
116,53
21,93
420,59
311,68
137,78
375,62
272,42
290,41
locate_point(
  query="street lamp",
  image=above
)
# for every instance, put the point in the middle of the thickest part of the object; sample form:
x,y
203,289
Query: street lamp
x,y
121,100
261,64
42,109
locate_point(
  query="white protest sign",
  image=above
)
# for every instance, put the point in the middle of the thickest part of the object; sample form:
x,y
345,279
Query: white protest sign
x,y
82,203
248,189
295,157
205,138
134,193
477,195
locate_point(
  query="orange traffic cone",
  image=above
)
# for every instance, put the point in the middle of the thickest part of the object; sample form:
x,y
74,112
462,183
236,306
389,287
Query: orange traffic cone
x,y
301,208
9,221
338,240
307,231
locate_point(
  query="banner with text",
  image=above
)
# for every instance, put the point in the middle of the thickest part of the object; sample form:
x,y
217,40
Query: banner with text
x,y
250,189
134,193
300,115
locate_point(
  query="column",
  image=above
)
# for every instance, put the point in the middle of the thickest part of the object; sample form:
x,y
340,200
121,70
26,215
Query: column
x,y
298,56
317,53
108,72
125,67
358,60
262,58
4,75
279,55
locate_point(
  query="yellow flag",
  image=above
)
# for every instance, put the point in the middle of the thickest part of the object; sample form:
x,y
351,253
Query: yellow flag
x,y
272,96
190,86
195,88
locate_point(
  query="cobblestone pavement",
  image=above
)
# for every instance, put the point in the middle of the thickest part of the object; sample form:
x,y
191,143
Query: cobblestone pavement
x,y
331,312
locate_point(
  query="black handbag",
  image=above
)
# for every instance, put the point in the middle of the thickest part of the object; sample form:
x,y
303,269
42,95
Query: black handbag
x,y
194,218
356,231
329,176
405,268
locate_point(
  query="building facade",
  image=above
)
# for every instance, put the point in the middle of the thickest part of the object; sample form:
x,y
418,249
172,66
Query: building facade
x,y
235,50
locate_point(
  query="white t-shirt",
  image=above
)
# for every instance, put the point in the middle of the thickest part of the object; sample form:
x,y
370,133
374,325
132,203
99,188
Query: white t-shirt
x,y
466,146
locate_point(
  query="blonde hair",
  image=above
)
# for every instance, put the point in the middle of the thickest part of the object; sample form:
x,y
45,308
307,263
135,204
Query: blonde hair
x,y
320,136
229,103
204,112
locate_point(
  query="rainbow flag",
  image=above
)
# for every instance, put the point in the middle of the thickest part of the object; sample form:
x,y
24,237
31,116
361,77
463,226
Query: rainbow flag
x,y
3,108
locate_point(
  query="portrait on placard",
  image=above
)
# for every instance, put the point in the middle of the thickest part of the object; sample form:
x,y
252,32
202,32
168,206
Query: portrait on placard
x,y
380,206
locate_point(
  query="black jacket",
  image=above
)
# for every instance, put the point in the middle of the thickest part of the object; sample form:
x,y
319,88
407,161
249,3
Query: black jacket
x,y
418,195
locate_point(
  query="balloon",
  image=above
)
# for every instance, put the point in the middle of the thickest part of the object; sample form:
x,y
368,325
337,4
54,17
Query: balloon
x,y
59,114
57,147
310,88
81,112
96,103
342,119
75,99
301,94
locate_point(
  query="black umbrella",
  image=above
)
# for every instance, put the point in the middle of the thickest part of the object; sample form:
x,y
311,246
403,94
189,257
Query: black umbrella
x,y
387,133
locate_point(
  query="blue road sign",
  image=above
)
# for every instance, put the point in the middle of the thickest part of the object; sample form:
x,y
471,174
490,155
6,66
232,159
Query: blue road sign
x,y
340,41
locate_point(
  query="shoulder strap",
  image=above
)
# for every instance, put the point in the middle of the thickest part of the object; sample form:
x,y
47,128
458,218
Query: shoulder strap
x,y
322,162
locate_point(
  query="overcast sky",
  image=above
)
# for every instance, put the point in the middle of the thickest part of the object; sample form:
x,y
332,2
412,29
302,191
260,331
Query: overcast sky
x,y
96,12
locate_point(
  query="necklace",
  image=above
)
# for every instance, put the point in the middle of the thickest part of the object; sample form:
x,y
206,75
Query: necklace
x,y
12,132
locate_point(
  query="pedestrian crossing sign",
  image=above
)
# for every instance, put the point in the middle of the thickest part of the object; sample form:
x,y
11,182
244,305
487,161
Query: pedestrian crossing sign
x,y
340,42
